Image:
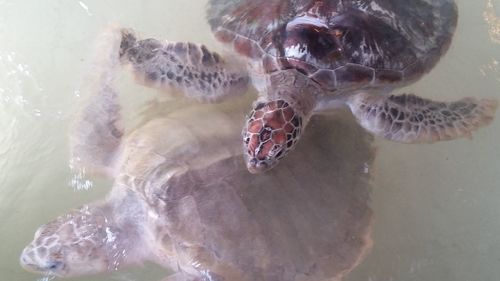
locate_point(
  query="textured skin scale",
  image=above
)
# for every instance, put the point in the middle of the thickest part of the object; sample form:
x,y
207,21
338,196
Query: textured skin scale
x,y
408,118
272,129
82,237
180,67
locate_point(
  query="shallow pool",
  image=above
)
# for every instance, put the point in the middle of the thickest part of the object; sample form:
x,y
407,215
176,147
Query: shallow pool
x,y
435,206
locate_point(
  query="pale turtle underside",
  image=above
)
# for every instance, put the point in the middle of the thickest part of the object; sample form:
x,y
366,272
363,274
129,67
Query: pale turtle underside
x,y
183,198
306,220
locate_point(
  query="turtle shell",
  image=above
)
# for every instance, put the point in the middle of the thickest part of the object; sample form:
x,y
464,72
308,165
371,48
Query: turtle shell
x,y
302,221
339,43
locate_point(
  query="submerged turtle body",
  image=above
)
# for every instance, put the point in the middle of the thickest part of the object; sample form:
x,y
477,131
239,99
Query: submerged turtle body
x,y
341,45
309,56
183,198
216,221
186,202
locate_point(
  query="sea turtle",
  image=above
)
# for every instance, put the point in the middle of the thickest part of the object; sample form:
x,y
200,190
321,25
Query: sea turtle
x,y
183,198
309,56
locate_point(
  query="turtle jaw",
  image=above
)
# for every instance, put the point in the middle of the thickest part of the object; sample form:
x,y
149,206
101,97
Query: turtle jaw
x,y
84,241
31,262
256,166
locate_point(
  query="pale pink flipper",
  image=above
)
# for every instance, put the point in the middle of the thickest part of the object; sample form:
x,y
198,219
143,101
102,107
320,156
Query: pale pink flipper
x,y
96,132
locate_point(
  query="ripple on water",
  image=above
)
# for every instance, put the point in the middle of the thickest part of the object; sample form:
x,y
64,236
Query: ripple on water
x,y
20,138
85,7
493,22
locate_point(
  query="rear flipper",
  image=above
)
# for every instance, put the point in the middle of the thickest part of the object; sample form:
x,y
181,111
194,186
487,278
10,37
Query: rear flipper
x,y
193,69
411,119
96,133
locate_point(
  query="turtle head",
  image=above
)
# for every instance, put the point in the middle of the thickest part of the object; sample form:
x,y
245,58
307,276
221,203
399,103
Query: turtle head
x,y
79,243
272,130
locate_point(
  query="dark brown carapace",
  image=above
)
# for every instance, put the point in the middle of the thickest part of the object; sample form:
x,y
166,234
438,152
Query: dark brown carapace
x,y
271,131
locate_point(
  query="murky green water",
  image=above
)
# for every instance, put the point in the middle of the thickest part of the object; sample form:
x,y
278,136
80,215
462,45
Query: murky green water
x,y
435,206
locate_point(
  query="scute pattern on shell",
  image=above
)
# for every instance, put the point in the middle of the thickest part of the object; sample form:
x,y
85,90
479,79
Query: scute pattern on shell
x,y
406,38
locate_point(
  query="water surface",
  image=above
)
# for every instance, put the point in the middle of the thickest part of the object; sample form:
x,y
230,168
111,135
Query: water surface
x,y
435,206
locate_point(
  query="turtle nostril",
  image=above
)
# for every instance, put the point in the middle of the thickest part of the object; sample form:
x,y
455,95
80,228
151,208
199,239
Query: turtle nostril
x,y
255,166
54,265
24,260
261,166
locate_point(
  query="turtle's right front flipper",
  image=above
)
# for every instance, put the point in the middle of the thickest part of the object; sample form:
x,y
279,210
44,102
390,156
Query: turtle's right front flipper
x,y
412,119
191,68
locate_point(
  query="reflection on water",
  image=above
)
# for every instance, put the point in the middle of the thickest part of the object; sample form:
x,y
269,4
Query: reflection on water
x,y
490,16
436,207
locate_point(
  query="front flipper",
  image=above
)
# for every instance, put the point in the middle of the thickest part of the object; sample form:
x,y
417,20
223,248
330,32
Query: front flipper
x,y
96,133
411,119
193,69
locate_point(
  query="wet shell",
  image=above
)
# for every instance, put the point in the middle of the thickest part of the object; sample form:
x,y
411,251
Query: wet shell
x,y
339,44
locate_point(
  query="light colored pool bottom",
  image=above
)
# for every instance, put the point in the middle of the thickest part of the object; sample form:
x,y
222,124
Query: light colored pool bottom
x,y
435,206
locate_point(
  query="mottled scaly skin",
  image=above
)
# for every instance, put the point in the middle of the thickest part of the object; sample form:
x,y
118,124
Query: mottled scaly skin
x,y
348,44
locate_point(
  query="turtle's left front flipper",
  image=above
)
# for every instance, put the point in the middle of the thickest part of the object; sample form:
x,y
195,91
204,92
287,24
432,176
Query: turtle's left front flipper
x,y
191,68
96,132
412,119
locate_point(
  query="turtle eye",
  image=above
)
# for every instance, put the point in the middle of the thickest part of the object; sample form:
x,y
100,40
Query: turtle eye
x,y
280,154
54,265
337,33
259,106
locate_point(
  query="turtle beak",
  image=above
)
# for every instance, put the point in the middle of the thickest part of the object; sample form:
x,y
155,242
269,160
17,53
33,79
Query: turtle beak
x,y
255,166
